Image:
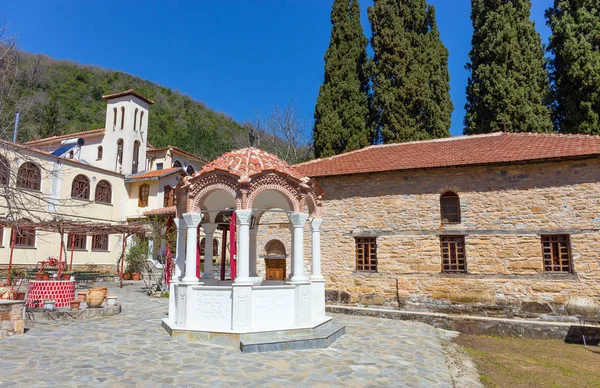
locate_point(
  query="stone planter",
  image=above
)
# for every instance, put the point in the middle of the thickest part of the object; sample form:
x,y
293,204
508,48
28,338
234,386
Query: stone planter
x,y
49,305
111,300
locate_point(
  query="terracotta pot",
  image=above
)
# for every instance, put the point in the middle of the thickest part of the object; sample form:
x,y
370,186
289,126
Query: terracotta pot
x,y
66,276
126,276
94,297
75,304
45,277
81,296
39,276
135,276
20,296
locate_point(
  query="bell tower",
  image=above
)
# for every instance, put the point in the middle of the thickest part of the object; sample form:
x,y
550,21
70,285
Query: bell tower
x,y
126,132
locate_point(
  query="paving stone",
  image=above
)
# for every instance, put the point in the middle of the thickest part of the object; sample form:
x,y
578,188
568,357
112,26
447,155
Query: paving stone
x,y
132,349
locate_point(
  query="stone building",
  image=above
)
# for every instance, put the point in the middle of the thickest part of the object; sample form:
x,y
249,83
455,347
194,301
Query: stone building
x,y
501,224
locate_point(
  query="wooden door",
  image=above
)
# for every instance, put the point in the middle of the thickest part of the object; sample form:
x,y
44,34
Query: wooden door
x,y
275,269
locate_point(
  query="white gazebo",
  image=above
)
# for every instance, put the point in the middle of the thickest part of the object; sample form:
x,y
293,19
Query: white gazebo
x,y
244,185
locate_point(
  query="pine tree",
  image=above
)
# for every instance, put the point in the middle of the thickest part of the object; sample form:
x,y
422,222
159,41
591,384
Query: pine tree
x,y
342,109
575,67
410,80
508,86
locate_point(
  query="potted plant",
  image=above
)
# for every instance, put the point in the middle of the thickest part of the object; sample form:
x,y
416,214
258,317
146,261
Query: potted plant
x,y
136,258
126,276
75,304
49,304
66,275
45,276
39,276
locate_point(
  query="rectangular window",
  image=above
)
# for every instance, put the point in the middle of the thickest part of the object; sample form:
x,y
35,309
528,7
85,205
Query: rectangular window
x,y
24,238
366,254
169,196
453,254
77,241
159,166
143,195
100,242
557,253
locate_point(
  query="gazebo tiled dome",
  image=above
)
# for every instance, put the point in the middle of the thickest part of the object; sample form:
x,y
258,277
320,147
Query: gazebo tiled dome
x,y
247,162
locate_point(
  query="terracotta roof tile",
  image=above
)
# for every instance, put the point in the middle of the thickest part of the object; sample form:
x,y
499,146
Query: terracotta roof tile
x,y
455,151
67,136
129,92
248,162
161,211
153,174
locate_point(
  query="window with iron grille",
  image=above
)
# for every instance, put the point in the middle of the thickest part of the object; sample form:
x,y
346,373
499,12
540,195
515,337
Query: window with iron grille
x,y
557,253
29,176
366,254
24,237
77,241
81,187
100,242
169,196
103,192
450,207
453,254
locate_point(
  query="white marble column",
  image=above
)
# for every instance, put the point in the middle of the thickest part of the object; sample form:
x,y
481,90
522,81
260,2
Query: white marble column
x,y
291,254
243,254
298,220
209,230
253,234
179,250
191,222
315,225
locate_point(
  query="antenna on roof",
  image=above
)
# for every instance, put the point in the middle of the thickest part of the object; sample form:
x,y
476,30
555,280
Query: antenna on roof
x,y
16,127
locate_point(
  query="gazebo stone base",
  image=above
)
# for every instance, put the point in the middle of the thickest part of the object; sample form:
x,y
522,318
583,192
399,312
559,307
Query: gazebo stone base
x,y
68,314
320,336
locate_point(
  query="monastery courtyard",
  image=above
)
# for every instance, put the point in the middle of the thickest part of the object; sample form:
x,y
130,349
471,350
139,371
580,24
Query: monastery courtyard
x,y
132,349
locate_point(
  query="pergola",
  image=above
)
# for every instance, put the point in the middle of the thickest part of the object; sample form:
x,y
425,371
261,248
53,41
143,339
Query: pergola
x,y
70,227
246,184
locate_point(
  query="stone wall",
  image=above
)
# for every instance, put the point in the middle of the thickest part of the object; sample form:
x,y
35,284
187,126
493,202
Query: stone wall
x,y
11,317
504,212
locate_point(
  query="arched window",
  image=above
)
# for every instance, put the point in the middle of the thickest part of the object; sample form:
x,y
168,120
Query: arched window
x,y
103,192
81,187
24,237
177,163
136,157
190,170
135,118
114,118
122,117
450,207
119,152
4,171
29,176
99,152
141,119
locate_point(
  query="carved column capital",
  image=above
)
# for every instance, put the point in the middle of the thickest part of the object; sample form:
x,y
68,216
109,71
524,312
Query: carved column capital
x,y
315,224
298,219
192,220
244,216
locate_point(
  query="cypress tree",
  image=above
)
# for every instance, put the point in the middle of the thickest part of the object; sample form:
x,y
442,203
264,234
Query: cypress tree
x,y
342,108
575,66
508,83
410,79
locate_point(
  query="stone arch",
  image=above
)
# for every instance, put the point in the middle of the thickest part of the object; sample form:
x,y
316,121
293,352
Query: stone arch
x,y
275,247
200,197
276,183
311,206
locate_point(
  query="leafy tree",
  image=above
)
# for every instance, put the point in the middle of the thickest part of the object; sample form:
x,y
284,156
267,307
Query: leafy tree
x,y
410,81
575,66
508,83
342,108
50,125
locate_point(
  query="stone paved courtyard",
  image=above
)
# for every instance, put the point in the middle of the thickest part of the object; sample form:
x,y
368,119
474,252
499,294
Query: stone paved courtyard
x,y
132,349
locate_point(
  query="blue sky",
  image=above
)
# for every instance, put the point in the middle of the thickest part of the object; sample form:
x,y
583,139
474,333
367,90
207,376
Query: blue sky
x,y
240,57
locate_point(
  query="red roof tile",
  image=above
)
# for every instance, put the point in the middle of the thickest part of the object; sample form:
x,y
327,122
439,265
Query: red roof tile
x,y
152,174
248,162
67,136
129,92
454,151
161,211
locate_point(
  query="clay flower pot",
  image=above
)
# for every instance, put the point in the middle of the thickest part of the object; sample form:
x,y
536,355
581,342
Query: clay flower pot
x,y
126,276
66,276
19,296
81,296
135,276
94,297
39,276
45,276
75,304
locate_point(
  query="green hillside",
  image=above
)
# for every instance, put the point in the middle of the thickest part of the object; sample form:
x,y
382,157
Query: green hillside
x,y
65,97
